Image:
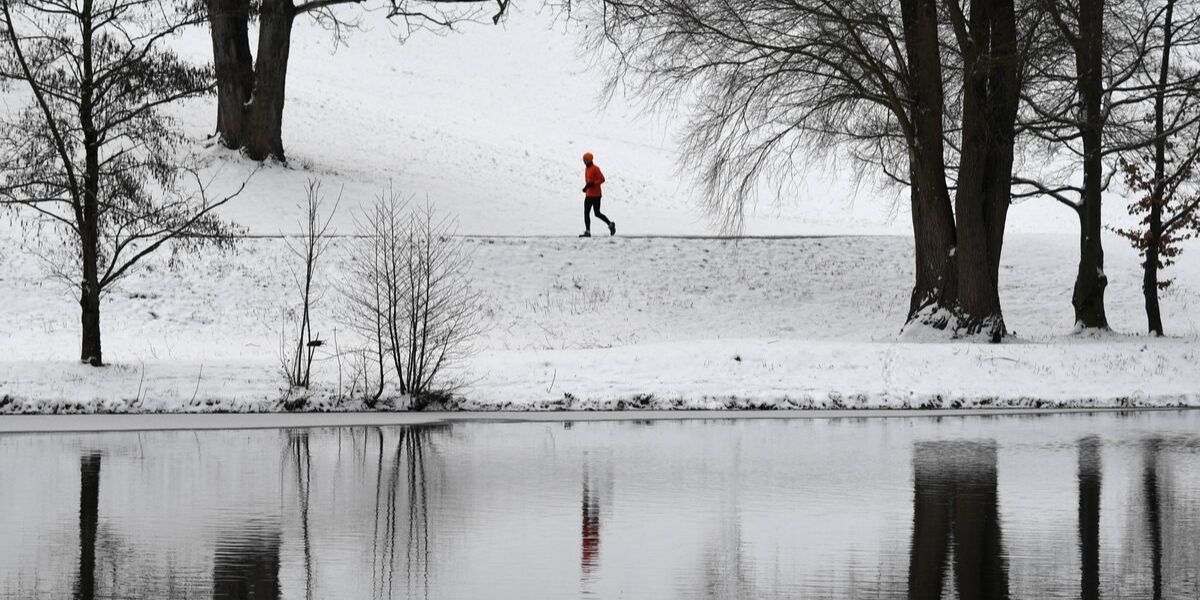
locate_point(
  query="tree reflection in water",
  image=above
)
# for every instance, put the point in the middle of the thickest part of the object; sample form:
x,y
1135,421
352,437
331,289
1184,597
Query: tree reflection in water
x,y
246,563
1089,517
402,471
111,565
89,516
1153,514
301,523
727,572
955,515
300,457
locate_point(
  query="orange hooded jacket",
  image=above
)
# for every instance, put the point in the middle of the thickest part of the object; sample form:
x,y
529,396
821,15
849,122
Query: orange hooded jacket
x,y
592,177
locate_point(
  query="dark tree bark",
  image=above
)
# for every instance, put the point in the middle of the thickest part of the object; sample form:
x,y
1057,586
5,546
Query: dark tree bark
x,y
233,64
933,220
1154,224
263,134
251,89
89,301
1090,280
1150,272
1005,83
990,90
89,224
89,235
251,92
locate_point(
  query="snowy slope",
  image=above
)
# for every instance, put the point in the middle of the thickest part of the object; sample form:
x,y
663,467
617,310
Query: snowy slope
x,y
691,322
488,124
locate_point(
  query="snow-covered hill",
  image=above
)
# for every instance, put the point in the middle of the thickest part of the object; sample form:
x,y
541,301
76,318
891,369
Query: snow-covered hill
x,y
488,124
592,323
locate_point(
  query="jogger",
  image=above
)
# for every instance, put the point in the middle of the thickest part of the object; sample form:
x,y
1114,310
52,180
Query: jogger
x,y
592,180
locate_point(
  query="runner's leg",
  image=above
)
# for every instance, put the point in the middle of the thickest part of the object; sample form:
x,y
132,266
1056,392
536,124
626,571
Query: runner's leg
x,y
598,213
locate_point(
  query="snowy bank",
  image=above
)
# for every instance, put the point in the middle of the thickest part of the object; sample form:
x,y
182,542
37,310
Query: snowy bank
x,y
616,323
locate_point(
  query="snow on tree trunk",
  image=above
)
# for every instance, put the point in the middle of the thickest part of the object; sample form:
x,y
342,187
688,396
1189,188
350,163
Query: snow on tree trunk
x,y
933,220
990,90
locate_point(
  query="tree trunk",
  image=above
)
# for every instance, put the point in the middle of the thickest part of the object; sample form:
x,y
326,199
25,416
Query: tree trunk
x,y
89,292
1150,279
933,221
1005,87
250,92
1155,225
89,237
88,205
935,289
89,302
229,23
263,128
1090,281
990,89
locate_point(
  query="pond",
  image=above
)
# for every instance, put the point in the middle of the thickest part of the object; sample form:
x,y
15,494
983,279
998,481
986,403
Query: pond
x,y
1048,506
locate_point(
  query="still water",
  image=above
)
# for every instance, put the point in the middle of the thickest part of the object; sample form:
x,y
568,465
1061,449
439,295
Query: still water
x,y
1055,506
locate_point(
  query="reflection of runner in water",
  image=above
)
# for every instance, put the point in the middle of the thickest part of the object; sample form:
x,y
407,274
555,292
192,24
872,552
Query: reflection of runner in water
x,y
590,535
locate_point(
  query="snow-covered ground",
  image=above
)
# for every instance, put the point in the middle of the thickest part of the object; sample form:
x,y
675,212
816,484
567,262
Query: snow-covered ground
x,y
659,322
488,125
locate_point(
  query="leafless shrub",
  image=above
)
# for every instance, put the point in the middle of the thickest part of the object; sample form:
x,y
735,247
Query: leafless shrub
x,y
372,283
297,348
409,297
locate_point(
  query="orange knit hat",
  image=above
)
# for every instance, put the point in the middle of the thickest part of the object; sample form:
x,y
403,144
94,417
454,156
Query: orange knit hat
x,y
587,156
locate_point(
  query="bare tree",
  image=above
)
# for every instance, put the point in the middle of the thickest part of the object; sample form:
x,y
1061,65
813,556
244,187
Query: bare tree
x,y
409,296
91,152
440,316
371,285
251,89
782,80
1165,174
297,351
1064,108
986,35
1086,107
